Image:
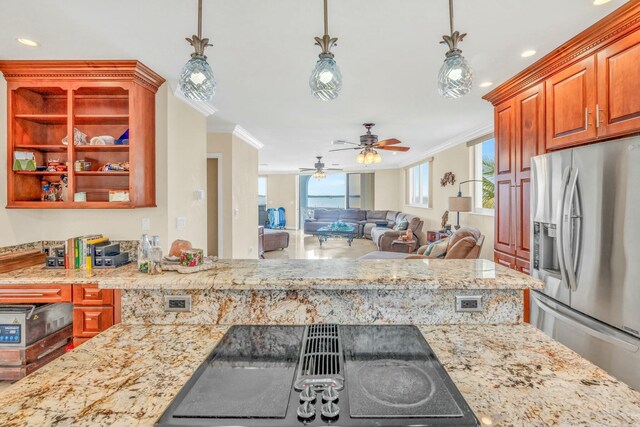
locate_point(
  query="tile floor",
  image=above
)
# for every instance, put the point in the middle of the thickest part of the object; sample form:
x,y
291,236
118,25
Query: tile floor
x,y
303,246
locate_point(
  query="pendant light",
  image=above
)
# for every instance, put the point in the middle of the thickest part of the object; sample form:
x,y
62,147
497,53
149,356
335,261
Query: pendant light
x,y
196,80
455,77
326,79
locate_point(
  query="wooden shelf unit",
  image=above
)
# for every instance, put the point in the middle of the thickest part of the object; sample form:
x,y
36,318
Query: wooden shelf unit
x,y
48,99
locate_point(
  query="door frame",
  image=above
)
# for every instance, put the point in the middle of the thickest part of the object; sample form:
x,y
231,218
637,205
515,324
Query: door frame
x,y
218,156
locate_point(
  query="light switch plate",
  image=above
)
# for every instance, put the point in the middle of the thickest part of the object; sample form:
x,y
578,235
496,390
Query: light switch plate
x,y
146,224
181,222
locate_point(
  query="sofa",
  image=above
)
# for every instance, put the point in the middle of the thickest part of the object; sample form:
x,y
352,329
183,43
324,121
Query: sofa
x,y
376,225
465,243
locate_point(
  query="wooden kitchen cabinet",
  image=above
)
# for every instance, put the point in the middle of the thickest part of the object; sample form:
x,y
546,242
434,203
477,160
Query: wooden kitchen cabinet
x,y
50,100
504,194
571,105
504,260
92,295
90,321
618,68
35,294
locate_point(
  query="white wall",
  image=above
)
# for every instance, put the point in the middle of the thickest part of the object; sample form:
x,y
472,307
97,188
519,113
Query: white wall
x,y
239,163
388,189
457,160
180,131
282,191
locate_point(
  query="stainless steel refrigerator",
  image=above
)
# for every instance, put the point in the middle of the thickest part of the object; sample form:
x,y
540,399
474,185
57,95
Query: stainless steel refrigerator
x,y
585,209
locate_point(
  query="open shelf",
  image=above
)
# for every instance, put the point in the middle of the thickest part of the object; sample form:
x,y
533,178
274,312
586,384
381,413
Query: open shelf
x,y
101,148
43,147
41,173
102,173
101,119
48,100
45,119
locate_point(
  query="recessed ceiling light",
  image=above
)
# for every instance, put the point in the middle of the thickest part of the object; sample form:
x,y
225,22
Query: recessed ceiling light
x,y
486,84
28,42
528,53
599,2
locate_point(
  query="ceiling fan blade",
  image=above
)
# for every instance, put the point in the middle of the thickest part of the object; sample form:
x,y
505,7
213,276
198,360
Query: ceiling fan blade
x,y
386,142
306,169
394,148
332,169
343,149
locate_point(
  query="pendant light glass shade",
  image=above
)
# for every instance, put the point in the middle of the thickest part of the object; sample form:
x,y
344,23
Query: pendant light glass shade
x,y
197,81
456,77
326,79
319,175
377,158
360,157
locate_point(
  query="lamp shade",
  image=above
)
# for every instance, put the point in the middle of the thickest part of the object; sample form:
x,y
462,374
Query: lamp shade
x,y
460,204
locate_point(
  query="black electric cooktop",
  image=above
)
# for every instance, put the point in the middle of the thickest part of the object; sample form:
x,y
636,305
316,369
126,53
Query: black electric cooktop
x,y
320,375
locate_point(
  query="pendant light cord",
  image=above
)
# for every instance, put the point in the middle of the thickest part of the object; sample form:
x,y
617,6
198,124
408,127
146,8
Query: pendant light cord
x,y
326,18
199,19
450,15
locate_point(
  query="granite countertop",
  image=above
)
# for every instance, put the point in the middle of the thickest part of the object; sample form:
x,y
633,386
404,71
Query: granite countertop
x,y
335,274
509,375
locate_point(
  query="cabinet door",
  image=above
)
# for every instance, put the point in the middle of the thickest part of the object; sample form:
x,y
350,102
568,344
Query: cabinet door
x,y
29,294
504,184
571,105
504,260
90,321
619,87
92,295
529,142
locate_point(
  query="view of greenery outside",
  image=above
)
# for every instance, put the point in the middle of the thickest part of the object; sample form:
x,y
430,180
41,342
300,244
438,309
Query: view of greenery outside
x,y
488,186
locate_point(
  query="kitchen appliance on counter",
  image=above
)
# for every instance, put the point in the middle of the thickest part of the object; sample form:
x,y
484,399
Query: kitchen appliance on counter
x,y
320,375
585,212
24,324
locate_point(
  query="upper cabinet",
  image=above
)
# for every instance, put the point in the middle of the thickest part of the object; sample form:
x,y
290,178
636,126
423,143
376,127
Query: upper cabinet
x,y
89,127
571,105
619,87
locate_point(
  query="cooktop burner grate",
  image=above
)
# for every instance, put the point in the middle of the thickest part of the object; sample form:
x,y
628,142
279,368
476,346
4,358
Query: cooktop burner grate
x,y
320,363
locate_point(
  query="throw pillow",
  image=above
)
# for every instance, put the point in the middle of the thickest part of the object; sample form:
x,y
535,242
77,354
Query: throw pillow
x,y
439,249
433,245
401,226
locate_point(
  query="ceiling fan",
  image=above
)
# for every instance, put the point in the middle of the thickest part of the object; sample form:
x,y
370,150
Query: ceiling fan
x,y
369,145
318,169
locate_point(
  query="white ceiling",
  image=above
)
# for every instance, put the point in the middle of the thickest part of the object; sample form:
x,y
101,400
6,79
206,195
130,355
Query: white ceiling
x,y
263,54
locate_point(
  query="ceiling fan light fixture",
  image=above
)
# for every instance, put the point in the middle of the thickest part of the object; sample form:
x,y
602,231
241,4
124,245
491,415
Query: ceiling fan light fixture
x,y
196,79
377,158
360,157
319,174
368,158
326,79
455,78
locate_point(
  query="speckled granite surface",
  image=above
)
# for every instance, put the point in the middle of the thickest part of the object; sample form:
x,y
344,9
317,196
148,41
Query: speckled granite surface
x,y
21,248
288,275
509,375
363,306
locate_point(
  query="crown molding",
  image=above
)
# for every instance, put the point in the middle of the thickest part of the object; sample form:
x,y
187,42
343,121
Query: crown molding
x,y
243,134
203,107
460,139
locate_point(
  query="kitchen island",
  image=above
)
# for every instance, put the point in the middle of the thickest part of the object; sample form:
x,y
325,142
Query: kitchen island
x,y
508,374
302,292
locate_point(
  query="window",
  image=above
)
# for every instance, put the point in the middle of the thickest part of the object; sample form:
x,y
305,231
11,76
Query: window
x,y
329,192
419,182
484,170
262,191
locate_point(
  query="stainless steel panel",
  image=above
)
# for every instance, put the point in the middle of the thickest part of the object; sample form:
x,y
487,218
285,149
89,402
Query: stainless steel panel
x,y
550,175
608,273
614,351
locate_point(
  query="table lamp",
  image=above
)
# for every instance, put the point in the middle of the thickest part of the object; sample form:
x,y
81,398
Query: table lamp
x,y
461,203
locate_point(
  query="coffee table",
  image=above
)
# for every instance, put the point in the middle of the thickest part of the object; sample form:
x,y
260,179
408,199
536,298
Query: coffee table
x,y
324,233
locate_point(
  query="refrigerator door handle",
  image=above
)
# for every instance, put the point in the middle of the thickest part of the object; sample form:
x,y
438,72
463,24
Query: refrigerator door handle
x,y
560,235
567,222
585,328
